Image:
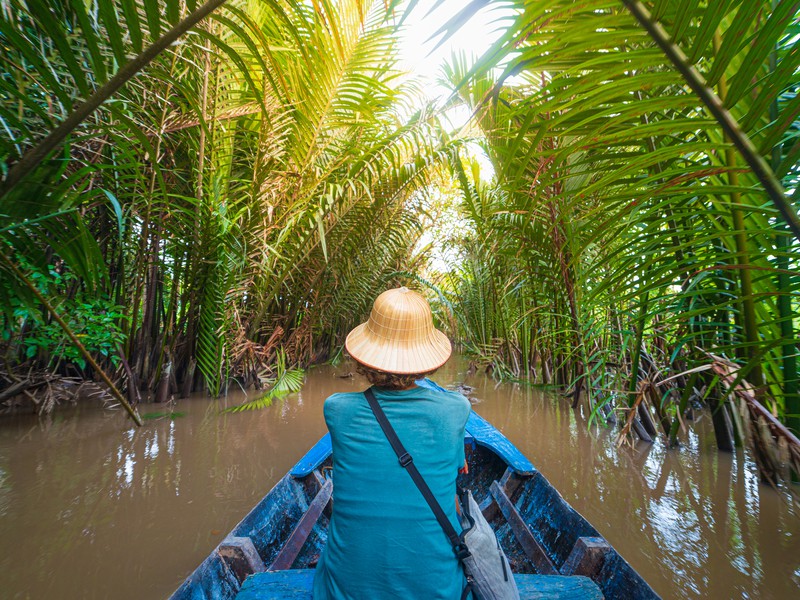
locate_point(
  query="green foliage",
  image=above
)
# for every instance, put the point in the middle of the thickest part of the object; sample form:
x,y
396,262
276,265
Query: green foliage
x,y
95,321
285,381
617,212
250,187
257,183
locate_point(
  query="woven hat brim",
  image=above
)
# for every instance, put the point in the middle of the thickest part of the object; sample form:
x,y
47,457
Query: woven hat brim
x,y
392,356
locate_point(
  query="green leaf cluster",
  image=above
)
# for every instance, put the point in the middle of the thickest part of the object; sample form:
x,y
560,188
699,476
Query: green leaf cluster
x,y
96,321
622,235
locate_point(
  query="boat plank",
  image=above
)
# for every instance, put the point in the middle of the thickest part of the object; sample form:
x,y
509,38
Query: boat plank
x,y
241,556
298,585
533,550
587,557
298,537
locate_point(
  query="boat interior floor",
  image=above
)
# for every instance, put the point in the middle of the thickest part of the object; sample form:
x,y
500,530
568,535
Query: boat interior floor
x,y
296,584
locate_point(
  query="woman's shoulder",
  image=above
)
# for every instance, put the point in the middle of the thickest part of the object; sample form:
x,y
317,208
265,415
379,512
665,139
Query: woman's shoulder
x,y
451,399
342,401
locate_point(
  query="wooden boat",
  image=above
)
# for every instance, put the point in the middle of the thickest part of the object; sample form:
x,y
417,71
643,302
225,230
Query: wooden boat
x,y
553,550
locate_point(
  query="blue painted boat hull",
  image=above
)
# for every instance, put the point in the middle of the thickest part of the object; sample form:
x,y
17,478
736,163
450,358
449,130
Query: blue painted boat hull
x,y
540,532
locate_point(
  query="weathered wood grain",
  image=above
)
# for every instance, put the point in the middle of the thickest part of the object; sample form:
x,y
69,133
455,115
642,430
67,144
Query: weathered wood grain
x,y
533,550
587,557
241,556
294,544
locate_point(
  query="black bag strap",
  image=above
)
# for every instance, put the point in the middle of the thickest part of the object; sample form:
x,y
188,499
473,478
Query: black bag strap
x,y
407,462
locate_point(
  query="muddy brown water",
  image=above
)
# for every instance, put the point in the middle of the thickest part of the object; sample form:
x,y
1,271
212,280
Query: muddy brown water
x,y
93,508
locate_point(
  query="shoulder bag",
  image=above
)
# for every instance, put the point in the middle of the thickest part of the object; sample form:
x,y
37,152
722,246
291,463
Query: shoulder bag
x,y
485,565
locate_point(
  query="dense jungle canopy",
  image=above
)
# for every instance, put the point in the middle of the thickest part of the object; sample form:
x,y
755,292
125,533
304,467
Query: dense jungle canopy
x,y
199,194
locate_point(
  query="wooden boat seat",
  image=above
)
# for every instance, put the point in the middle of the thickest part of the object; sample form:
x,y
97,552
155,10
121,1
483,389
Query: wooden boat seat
x,y
297,584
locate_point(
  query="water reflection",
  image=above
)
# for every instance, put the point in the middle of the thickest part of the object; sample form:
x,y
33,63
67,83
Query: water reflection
x,y
695,522
92,508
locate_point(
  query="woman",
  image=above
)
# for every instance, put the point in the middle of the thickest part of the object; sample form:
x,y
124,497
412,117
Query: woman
x,y
383,539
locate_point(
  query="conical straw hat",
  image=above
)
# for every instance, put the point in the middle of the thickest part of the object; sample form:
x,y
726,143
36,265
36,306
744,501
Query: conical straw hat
x,y
399,336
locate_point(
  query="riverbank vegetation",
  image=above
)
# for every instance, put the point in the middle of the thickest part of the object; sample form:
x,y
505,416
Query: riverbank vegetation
x,y
629,227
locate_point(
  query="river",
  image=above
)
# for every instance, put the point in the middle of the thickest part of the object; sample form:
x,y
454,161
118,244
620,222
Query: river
x,y
93,508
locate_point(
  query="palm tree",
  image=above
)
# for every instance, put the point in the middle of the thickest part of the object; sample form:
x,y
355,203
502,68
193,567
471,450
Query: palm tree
x,y
229,193
640,213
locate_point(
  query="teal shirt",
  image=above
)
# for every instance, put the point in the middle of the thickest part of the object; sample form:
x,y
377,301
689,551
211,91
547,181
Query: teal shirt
x,y
383,540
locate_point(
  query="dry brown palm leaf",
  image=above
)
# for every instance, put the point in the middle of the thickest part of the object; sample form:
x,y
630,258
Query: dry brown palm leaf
x,y
624,434
177,122
776,449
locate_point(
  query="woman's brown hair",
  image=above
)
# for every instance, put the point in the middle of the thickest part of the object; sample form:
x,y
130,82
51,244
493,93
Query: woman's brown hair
x,y
390,381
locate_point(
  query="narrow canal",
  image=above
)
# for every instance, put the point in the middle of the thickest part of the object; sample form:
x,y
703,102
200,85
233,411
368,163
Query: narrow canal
x,y
92,508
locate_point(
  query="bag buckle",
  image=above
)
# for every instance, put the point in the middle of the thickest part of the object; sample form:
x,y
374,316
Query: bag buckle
x,y
405,460
462,551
